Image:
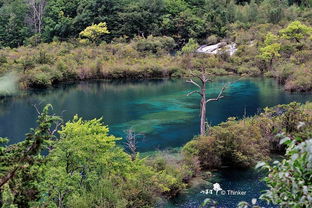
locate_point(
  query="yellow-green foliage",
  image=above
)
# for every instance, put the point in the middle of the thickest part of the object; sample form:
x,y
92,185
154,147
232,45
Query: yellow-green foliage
x,y
296,31
190,47
179,166
88,169
270,51
94,32
271,48
276,51
241,143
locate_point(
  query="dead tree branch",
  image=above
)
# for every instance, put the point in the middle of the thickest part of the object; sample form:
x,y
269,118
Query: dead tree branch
x,y
194,83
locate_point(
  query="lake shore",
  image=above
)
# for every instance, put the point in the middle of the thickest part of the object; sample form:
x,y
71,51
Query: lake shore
x,y
47,65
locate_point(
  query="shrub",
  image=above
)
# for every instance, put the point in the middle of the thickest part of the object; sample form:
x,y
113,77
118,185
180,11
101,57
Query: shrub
x,y
233,143
178,166
302,56
41,77
3,59
37,79
27,63
287,117
155,45
244,142
290,181
127,51
250,70
212,39
300,80
217,71
33,40
44,58
203,148
190,47
66,70
86,164
94,33
283,71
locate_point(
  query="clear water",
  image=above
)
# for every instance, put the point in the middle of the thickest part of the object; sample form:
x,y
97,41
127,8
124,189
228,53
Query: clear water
x,y
160,110
248,182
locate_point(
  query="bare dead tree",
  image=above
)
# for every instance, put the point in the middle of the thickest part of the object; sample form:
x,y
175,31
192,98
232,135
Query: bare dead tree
x,y
36,12
203,77
131,142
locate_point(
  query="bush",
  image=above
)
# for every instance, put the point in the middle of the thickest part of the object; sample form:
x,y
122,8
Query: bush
x,y
250,70
41,77
33,40
37,79
203,148
190,47
178,166
282,71
27,63
44,58
244,142
212,39
300,80
302,56
155,45
88,169
3,59
233,143
290,181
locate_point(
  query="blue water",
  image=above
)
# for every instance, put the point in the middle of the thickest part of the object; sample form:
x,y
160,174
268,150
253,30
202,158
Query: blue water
x,y
247,182
159,110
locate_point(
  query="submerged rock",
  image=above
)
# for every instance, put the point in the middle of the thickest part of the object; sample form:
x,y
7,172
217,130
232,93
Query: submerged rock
x,y
217,48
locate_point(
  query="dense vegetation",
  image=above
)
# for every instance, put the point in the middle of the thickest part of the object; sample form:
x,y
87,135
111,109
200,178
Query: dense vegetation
x,y
126,39
82,166
83,160
290,180
242,143
78,164
29,21
283,54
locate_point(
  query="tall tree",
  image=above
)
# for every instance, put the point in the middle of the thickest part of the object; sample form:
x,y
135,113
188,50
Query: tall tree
x,y
204,78
13,29
142,18
94,33
58,19
36,13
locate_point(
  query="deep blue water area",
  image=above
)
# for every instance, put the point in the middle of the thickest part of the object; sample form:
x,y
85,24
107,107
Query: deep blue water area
x,y
237,185
158,109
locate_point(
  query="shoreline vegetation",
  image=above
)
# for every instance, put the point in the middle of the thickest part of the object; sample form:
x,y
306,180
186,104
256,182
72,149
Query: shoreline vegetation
x,y
275,54
46,42
84,160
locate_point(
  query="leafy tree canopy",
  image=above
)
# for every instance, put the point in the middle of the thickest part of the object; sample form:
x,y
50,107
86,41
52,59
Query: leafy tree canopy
x,y
95,32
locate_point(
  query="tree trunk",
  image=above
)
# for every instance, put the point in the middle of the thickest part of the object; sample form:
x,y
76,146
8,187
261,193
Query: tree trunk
x,y
203,110
203,101
202,116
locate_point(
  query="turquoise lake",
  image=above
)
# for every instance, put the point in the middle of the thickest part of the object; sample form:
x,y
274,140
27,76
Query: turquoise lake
x,y
157,109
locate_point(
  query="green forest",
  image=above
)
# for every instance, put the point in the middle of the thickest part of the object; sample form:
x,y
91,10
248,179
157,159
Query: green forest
x,y
48,45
